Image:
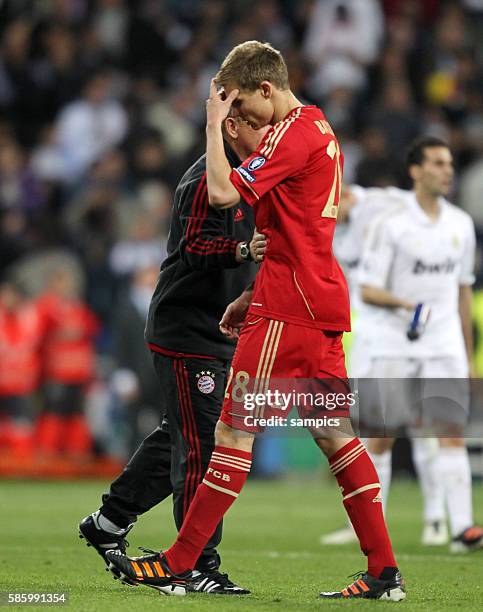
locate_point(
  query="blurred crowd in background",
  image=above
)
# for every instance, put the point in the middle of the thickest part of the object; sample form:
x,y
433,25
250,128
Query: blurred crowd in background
x,y
102,110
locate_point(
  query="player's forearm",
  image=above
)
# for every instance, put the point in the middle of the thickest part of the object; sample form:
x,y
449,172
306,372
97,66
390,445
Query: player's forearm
x,y
466,316
248,294
381,297
221,192
246,297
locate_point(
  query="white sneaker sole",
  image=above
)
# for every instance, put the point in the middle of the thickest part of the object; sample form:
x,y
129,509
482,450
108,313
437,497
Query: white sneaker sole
x,y
171,590
459,547
393,595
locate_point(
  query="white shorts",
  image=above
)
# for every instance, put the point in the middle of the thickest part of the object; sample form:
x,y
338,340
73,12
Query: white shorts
x,y
406,367
414,392
360,362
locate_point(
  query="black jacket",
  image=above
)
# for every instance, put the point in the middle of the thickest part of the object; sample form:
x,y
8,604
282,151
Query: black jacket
x,y
200,276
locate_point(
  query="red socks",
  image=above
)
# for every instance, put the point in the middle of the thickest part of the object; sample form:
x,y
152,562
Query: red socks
x,y
223,481
226,475
361,495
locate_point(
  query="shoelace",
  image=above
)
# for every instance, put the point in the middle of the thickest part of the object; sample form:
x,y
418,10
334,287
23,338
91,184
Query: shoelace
x,y
149,551
157,553
357,586
123,545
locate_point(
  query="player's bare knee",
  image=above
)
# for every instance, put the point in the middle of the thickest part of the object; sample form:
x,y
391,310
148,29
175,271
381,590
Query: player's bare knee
x,y
449,434
330,445
448,442
331,439
233,438
377,446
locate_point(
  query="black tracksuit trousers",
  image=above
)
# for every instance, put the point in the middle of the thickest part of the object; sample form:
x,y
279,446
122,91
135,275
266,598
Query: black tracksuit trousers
x,y
174,457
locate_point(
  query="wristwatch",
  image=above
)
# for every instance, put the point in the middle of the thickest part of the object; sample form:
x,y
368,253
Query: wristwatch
x,y
245,253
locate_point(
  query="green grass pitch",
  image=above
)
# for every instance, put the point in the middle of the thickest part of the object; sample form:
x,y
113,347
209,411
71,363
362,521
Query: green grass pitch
x,y
271,545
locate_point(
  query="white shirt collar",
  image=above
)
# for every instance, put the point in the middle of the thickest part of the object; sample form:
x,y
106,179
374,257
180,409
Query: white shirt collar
x,y
421,216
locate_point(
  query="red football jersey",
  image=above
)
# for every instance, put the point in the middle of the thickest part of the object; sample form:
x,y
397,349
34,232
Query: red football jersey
x,y
21,334
293,181
68,350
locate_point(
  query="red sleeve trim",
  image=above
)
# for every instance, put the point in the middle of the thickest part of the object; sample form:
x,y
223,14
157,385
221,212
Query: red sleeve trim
x,y
195,222
199,211
210,248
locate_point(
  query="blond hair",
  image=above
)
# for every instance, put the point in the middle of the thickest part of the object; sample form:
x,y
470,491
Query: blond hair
x,y
252,62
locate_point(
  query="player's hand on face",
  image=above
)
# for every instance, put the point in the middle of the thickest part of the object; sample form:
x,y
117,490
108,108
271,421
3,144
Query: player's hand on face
x,y
218,105
258,246
232,321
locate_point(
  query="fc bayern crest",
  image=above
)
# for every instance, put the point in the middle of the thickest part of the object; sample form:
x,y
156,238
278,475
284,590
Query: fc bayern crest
x,y
206,382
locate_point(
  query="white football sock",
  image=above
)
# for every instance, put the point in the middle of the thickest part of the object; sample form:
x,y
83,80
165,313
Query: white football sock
x,y
455,474
106,525
425,458
383,465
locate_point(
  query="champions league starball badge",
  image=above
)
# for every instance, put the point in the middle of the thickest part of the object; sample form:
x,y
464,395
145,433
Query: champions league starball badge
x,y
206,382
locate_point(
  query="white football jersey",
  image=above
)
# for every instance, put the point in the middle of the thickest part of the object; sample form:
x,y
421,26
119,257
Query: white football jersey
x,y
419,260
370,203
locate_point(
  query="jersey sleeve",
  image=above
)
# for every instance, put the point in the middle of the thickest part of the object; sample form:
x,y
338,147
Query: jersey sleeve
x,y
204,244
282,153
467,272
377,255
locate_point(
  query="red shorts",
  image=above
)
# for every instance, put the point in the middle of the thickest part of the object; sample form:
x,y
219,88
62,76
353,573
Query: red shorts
x,y
306,366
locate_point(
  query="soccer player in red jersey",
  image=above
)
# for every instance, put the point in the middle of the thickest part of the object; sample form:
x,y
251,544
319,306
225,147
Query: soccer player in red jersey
x,y
291,322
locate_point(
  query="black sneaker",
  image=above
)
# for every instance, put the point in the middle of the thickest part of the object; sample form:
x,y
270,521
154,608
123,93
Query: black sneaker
x,y
368,587
215,583
469,540
101,540
151,570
